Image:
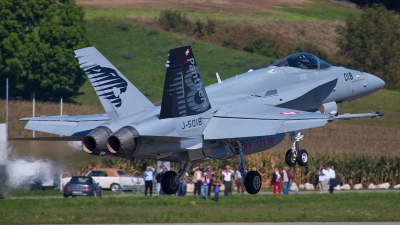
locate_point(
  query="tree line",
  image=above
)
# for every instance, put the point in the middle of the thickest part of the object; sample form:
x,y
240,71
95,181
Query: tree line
x,y
36,48
372,44
389,4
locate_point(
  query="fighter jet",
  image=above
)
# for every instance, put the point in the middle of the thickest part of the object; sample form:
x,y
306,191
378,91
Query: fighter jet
x,y
244,114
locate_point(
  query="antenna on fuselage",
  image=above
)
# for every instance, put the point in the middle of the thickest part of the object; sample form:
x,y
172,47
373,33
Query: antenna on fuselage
x,y
218,78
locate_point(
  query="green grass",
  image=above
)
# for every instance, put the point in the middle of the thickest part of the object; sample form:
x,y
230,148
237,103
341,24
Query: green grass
x,y
33,193
347,207
319,10
150,47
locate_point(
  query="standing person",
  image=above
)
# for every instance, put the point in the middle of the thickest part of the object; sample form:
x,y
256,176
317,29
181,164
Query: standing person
x,y
158,180
159,177
216,191
148,177
287,177
201,168
276,181
227,173
333,182
197,180
321,179
239,181
182,185
211,175
327,180
204,186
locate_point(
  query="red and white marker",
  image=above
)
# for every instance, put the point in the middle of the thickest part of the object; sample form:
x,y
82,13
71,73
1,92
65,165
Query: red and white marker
x,y
187,52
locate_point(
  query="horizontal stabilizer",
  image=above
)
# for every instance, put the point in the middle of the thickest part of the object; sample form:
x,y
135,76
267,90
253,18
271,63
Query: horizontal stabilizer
x,y
63,127
47,139
93,117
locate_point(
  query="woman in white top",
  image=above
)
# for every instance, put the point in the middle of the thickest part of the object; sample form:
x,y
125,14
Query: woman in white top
x,y
332,176
227,173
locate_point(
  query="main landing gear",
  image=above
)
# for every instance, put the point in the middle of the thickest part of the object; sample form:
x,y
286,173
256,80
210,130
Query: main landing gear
x,y
170,179
252,179
296,154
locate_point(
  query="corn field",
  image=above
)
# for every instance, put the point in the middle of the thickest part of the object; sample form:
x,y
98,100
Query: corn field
x,y
350,169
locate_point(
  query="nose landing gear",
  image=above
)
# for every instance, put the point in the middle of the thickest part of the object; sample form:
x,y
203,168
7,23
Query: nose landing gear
x,y
296,154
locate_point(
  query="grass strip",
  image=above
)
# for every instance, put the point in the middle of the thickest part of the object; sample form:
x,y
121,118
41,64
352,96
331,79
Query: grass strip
x,y
237,208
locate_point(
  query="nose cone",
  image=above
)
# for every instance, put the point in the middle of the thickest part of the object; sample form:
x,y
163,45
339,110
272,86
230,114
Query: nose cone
x,y
375,83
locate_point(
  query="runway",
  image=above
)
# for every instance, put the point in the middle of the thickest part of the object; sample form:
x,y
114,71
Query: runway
x,y
130,194
268,223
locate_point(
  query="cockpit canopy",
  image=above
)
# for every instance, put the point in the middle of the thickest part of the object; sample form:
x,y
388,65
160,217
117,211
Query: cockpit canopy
x,y
302,60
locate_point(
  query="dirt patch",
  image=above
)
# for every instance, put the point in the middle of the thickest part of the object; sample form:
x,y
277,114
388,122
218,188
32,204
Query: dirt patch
x,y
213,5
285,33
344,3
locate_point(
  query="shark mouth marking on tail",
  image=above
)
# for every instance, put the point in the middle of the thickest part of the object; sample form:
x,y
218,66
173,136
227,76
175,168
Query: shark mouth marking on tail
x,y
109,81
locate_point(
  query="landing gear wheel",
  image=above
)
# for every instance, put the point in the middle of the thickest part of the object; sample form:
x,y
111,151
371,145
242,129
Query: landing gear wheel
x,y
302,157
169,184
289,158
115,187
252,182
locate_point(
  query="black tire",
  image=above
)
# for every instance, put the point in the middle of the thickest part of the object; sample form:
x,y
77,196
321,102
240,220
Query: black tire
x,y
169,184
289,158
94,193
115,187
66,196
101,193
252,182
302,157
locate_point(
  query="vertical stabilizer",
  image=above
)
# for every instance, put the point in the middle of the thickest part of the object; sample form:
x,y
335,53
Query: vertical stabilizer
x,y
118,96
184,93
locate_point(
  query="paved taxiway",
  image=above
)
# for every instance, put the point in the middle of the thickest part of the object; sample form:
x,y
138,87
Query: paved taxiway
x,y
269,223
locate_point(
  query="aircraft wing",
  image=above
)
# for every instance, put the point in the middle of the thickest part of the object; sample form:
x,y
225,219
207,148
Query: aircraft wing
x,y
249,119
66,125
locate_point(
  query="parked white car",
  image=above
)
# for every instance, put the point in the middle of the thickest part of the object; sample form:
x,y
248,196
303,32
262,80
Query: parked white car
x,y
114,179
